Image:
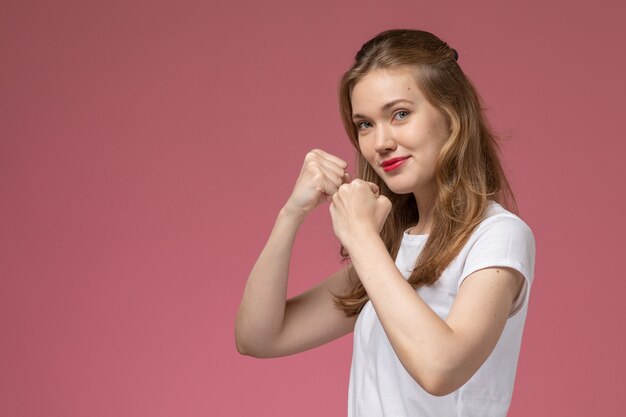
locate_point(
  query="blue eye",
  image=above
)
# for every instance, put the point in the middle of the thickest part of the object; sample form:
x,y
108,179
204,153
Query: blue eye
x,y
358,124
402,111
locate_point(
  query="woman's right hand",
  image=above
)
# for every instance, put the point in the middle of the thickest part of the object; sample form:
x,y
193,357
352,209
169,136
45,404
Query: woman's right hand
x,y
320,178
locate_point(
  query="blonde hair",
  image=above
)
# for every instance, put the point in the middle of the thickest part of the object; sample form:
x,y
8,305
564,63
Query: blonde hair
x,y
468,171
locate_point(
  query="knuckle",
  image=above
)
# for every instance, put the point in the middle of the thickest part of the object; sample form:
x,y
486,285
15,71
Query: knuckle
x,y
310,154
313,165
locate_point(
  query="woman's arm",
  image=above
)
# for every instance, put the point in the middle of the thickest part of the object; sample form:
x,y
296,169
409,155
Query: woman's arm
x,y
262,307
440,355
269,326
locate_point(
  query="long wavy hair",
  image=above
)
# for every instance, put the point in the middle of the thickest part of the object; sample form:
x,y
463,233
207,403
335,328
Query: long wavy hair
x,y
468,171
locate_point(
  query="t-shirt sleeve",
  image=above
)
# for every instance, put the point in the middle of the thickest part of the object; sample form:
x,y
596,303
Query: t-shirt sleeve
x,y
506,242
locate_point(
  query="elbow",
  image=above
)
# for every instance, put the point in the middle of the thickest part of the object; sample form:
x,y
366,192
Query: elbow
x,y
251,344
245,350
249,349
441,372
441,381
253,353
240,343
243,347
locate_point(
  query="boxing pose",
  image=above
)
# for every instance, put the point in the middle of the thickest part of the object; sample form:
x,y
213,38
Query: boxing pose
x,y
438,265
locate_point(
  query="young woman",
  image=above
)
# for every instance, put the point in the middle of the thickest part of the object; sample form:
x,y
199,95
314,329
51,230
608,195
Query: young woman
x,y
438,267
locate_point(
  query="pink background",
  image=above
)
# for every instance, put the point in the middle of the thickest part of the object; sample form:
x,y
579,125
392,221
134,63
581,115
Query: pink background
x,y
147,146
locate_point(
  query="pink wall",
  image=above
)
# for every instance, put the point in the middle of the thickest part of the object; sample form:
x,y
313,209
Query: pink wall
x,y
146,147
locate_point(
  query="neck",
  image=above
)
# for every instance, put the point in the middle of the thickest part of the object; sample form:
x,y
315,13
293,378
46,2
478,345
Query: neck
x,y
425,203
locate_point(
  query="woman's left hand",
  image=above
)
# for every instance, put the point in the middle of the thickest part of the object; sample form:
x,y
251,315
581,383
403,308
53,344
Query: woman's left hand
x,y
357,209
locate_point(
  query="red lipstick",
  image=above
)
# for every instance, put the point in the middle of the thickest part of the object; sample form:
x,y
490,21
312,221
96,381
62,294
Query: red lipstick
x,y
393,163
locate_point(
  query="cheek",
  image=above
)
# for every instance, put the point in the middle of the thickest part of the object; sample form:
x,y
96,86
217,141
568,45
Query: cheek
x,y
362,145
433,154
366,150
442,131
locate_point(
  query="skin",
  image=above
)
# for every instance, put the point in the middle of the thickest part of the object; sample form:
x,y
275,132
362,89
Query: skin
x,y
411,128
441,355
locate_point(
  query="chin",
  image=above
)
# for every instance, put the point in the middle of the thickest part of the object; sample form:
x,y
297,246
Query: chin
x,y
399,189
398,186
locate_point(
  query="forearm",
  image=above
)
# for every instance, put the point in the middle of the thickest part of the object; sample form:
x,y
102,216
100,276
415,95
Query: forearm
x,y
262,307
422,341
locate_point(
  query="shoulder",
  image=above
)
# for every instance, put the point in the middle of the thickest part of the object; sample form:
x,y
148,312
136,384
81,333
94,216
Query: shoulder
x,y
499,222
501,239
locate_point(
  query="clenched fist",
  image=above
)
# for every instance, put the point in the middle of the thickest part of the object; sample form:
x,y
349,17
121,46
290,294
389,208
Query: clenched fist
x,y
321,176
357,210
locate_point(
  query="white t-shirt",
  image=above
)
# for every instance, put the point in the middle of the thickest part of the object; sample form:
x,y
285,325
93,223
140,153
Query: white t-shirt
x,y
381,386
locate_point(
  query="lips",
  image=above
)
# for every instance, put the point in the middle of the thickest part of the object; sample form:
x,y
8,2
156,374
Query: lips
x,y
392,161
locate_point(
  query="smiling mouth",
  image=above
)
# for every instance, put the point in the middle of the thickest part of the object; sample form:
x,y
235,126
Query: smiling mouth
x,y
395,164
392,161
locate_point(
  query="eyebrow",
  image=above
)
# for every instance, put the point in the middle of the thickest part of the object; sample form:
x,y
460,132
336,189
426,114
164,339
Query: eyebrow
x,y
385,107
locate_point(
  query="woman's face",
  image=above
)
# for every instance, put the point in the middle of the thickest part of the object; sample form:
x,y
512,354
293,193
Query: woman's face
x,y
394,120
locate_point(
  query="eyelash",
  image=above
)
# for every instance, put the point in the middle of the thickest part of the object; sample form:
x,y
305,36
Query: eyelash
x,y
358,124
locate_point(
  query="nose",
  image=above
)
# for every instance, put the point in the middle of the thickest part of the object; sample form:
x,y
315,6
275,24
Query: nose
x,y
385,141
